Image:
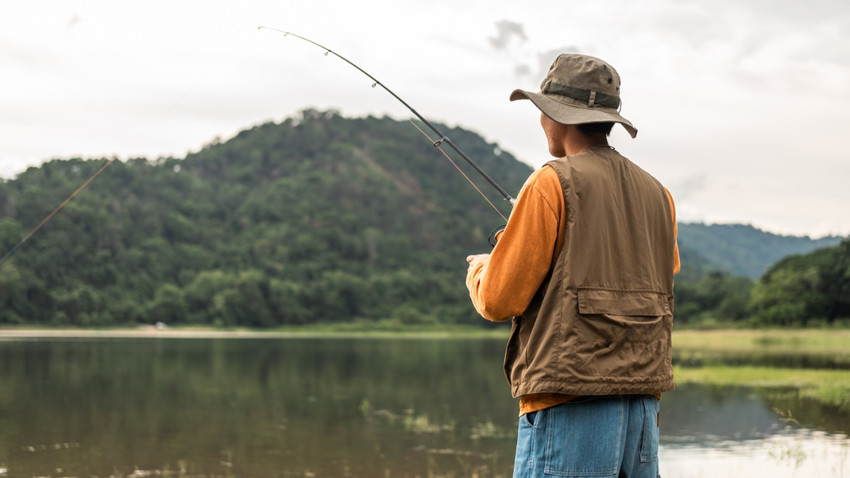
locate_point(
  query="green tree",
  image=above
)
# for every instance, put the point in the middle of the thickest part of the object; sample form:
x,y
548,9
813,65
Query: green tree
x,y
835,283
716,297
802,288
785,297
169,305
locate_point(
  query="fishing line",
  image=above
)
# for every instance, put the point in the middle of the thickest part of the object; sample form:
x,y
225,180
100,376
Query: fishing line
x,y
443,139
47,218
460,171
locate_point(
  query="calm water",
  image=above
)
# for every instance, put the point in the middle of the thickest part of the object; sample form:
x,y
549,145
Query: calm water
x,y
345,408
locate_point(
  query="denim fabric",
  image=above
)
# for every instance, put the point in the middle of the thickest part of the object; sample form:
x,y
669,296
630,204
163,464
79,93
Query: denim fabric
x,y
611,436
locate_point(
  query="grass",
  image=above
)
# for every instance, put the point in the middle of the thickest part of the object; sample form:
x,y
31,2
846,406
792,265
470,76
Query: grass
x,y
762,376
824,346
827,386
831,387
788,341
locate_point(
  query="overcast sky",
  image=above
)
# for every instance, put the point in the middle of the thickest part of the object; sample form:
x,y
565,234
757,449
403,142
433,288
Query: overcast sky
x,y
742,105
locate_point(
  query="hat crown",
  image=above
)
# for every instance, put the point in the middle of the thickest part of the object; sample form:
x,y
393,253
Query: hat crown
x,y
579,89
582,72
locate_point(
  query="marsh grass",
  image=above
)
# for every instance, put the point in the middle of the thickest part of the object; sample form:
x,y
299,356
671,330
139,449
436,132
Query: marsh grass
x,y
829,386
789,341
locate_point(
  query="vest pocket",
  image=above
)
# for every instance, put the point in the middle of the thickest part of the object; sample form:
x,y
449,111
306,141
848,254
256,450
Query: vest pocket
x,y
623,335
626,303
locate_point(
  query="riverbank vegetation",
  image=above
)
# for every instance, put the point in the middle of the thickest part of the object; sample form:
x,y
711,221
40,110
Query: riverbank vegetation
x,y
814,363
830,387
789,341
800,290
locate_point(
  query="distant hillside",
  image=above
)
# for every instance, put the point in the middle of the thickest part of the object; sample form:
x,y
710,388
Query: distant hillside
x,y
741,249
318,218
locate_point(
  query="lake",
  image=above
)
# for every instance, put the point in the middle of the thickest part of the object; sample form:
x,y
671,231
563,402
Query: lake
x,y
341,407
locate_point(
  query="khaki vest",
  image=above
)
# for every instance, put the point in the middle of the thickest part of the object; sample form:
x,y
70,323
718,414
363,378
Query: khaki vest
x,y
600,324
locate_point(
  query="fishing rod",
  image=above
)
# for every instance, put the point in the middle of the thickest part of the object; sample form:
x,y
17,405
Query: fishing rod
x,y
68,199
442,139
53,213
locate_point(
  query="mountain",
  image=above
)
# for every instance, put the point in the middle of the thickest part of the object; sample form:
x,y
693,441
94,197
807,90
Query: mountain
x,y
740,249
317,218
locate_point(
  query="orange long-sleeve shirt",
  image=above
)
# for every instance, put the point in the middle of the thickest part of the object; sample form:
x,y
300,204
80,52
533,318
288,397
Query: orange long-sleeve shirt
x,y
502,285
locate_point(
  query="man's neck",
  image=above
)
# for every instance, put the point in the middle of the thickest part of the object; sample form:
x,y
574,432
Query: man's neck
x,y
575,142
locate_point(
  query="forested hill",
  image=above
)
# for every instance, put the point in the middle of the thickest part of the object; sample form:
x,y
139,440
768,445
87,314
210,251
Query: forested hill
x,y
741,249
318,218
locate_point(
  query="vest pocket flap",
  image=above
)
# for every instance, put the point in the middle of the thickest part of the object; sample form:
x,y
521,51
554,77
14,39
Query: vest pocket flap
x,y
622,302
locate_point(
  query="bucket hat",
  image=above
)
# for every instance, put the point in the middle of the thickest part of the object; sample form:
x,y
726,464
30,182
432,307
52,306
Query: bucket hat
x,y
579,89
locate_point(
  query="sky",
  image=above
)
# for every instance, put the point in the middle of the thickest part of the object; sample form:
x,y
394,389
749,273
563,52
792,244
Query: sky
x,y
741,105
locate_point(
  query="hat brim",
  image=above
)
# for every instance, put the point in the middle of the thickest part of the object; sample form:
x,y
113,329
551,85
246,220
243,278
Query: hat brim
x,y
573,112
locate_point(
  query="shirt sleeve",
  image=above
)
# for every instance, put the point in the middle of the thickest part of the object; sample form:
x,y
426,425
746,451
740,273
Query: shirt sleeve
x,y
502,286
677,266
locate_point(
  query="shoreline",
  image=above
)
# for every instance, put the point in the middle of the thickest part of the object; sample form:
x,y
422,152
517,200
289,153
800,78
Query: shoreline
x,y
204,333
141,332
828,341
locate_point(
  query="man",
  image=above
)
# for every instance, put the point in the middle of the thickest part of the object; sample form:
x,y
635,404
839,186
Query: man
x,y
585,268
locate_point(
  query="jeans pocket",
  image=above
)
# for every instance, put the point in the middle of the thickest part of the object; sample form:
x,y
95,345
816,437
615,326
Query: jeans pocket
x,y
649,434
584,439
529,419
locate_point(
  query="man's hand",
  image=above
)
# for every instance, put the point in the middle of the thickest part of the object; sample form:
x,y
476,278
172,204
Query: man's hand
x,y
475,259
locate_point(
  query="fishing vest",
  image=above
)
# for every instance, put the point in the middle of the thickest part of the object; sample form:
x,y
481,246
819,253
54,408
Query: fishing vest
x,y
601,322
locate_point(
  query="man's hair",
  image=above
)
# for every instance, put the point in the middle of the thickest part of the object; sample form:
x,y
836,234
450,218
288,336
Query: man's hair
x,y
595,128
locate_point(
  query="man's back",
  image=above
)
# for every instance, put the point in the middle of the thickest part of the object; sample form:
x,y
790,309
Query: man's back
x,y
619,228
602,323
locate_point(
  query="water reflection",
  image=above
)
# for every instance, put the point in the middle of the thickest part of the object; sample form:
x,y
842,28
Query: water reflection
x,y
794,453
338,407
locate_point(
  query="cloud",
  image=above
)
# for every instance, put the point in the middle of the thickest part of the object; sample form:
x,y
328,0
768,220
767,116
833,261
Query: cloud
x,y
505,30
522,70
25,56
546,58
544,61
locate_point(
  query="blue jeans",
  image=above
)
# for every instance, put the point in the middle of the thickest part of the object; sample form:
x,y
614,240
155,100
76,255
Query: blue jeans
x,y
590,437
